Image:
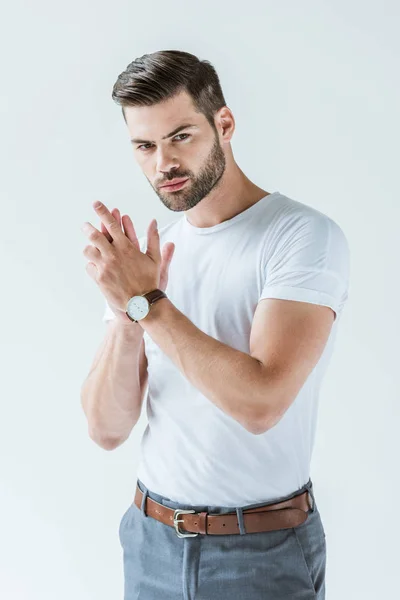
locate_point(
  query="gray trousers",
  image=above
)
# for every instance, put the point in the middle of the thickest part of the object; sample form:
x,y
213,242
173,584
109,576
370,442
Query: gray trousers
x,y
286,564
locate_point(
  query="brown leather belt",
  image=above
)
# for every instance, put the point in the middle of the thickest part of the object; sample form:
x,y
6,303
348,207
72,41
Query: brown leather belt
x,y
282,515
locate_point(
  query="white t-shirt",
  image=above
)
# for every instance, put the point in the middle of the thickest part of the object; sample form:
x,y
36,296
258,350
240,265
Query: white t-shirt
x,y
191,451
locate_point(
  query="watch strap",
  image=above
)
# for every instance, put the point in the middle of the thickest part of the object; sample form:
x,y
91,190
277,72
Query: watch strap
x,y
154,295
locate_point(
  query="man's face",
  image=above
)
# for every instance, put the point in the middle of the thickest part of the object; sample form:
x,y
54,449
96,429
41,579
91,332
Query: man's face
x,y
193,152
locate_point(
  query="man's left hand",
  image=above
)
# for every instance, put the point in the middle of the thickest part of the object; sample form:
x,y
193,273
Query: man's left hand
x,y
119,268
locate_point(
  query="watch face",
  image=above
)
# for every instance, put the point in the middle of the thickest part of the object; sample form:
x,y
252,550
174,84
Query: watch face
x,y
138,307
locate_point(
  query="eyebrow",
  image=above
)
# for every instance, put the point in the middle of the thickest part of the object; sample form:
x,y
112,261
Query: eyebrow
x,y
188,126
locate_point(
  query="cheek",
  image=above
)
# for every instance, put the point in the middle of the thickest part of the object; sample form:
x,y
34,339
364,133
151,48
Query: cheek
x,y
192,158
147,166
200,153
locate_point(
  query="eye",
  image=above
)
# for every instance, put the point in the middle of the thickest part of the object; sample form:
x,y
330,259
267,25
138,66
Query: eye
x,y
143,146
179,134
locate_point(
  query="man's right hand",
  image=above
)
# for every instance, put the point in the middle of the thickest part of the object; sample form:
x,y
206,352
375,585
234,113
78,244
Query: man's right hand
x,y
166,256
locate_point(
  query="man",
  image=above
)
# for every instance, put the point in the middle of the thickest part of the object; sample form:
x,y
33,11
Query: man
x,y
230,326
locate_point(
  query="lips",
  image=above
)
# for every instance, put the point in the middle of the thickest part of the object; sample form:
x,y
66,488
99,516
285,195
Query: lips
x,y
174,182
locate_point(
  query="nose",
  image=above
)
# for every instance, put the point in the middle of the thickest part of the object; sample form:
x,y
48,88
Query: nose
x,y
165,161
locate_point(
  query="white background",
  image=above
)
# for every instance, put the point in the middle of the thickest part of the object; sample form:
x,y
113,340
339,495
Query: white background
x,y
315,92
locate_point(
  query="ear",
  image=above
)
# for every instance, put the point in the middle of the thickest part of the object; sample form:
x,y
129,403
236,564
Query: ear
x,y
225,122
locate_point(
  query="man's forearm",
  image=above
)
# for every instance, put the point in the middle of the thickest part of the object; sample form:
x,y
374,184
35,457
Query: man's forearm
x,y
111,395
233,380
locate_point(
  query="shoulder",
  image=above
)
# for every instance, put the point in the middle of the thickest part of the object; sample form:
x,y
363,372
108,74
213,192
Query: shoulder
x,y
292,219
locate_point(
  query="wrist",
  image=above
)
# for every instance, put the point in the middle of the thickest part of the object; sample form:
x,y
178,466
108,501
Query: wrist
x,y
157,311
127,327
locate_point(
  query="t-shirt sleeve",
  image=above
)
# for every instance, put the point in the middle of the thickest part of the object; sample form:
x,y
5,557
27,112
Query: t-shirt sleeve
x,y
310,263
108,312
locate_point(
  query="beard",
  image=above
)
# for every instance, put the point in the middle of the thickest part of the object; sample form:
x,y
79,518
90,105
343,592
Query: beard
x,y
197,187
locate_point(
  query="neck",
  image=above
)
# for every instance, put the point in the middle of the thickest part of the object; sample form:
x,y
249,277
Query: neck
x,y
233,194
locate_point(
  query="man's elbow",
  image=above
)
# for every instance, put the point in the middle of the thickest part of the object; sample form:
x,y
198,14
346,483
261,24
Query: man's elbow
x,y
263,424
269,412
105,442
258,428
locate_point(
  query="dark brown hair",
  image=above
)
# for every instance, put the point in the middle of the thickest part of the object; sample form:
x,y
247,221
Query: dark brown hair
x,y
156,77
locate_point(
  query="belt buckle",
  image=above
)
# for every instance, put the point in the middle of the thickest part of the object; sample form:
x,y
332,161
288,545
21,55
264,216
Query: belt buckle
x,y
177,513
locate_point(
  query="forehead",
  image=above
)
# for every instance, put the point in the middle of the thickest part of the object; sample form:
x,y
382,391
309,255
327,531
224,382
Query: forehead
x,y
150,122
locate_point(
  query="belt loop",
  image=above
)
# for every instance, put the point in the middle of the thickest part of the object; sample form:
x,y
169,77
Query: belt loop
x,y
239,513
143,505
309,486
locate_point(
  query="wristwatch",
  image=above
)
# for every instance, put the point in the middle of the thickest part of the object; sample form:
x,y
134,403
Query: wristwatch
x,y
138,307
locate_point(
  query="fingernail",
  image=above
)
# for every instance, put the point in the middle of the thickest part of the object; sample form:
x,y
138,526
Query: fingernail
x,y
155,221
97,204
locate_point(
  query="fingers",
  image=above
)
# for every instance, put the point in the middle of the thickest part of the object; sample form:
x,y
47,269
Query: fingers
x,y
130,231
167,253
116,214
125,224
112,225
153,242
91,270
96,238
92,253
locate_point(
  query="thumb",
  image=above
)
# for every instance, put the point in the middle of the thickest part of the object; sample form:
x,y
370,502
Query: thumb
x,y
167,254
166,258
